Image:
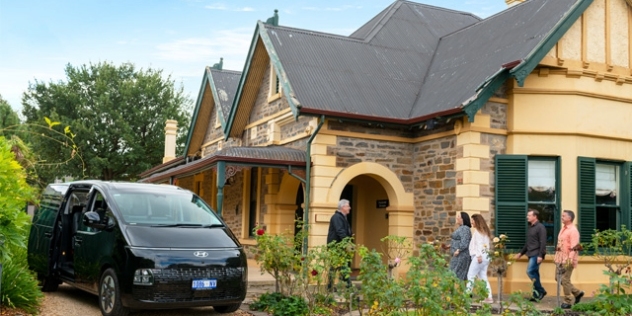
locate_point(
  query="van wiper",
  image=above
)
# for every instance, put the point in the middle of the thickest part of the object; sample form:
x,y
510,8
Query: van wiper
x,y
188,225
177,225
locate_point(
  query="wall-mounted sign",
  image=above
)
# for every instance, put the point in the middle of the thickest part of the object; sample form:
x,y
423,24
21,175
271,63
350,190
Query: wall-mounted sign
x,y
381,203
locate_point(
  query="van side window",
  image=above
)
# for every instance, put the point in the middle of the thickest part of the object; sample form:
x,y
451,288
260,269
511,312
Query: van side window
x,y
98,205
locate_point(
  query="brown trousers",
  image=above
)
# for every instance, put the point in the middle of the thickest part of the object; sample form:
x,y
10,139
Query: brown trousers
x,y
570,291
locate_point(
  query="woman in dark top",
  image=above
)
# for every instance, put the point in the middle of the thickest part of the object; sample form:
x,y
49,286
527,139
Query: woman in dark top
x,y
459,246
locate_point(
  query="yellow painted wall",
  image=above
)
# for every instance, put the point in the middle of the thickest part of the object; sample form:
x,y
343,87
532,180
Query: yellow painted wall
x,y
548,117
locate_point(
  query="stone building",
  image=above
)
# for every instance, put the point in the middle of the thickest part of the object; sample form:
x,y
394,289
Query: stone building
x,y
419,114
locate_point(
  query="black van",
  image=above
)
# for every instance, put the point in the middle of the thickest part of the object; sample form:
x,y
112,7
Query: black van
x,y
136,246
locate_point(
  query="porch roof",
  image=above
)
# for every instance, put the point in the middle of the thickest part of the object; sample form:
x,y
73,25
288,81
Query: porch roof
x,y
271,156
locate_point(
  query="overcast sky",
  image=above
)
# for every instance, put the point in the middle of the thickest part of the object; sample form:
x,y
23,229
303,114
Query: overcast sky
x,y
181,37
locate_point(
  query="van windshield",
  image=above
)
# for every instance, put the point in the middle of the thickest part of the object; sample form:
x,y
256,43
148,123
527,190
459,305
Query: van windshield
x,y
164,208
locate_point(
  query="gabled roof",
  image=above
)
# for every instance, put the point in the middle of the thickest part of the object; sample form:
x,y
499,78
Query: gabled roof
x,y
412,61
216,92
468,58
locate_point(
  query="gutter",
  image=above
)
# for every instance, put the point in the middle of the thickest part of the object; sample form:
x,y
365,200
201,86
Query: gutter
x,y
308,176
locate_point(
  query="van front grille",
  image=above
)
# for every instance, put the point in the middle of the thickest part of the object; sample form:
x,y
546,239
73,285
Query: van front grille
x,y
174,285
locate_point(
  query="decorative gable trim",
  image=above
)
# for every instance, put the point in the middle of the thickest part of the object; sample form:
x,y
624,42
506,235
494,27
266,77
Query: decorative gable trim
x,y
215,97
527,65
284,83
196,112
240,88
261,33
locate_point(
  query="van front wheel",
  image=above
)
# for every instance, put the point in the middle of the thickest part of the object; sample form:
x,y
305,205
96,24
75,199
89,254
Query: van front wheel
x,y
110,295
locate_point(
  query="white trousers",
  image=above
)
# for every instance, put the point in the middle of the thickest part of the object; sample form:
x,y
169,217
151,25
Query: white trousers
x,y
478,270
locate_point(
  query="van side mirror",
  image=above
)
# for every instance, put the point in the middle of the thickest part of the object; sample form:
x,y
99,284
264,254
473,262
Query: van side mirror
x,y
93,219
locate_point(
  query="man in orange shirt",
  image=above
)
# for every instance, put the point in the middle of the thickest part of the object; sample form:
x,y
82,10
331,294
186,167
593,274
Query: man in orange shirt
x,y
566,258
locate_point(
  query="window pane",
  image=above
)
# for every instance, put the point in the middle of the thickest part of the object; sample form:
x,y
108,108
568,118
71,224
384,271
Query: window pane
x,y
606,184
541,181
607,218
547,218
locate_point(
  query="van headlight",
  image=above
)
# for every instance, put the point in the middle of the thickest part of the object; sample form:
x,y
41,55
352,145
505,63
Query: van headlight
x,y
143,277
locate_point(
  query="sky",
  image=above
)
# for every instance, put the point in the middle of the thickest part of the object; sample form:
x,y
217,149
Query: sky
x,y
38,38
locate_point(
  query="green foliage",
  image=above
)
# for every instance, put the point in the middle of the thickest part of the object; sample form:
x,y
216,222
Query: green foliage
x,y
307,274
605,303
280,305
117,113
14,194
19,287
278,256
8,118
429,287
614,248
522,303
499,262
19,284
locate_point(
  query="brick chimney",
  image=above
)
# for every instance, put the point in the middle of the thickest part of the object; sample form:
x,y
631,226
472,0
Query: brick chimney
x,y
170,140
511,3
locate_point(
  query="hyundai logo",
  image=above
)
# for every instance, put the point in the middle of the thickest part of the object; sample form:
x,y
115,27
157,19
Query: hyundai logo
x,y
201,254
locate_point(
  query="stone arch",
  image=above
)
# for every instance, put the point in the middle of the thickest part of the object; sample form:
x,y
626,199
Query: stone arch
x,y
399,199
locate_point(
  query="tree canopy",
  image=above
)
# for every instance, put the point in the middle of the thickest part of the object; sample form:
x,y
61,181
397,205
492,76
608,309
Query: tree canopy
x,y
8,117
116,114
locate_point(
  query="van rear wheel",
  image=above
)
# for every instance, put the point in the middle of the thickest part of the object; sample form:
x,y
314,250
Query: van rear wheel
x,y
110,295
227,308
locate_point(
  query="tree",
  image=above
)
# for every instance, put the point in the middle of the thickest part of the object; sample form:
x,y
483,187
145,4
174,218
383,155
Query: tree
x,y
117,115
8,118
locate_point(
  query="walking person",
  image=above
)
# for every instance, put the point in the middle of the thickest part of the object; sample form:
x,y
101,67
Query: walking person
x,y
479,252
460,245
566,258
535,249
339,229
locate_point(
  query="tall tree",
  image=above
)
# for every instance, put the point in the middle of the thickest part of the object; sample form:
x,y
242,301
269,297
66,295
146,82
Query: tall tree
x,y
8,118
116,113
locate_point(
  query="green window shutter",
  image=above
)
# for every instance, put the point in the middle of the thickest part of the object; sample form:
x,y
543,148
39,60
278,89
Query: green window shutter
x,y
511,198
626,196
586,198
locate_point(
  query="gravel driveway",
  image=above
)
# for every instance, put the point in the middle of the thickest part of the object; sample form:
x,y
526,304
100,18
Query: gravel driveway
x,y
69,301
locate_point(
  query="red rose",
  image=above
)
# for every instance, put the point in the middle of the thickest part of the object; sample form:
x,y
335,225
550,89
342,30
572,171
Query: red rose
x,y
260,231
314,273
302,258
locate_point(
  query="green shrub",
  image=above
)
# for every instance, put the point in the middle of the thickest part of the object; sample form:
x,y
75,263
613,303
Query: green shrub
x,y
278,304
19,285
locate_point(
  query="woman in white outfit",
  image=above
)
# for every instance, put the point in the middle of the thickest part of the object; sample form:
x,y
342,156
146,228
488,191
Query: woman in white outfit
x,y
479,247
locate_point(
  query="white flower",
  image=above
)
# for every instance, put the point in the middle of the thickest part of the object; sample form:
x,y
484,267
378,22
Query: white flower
x,y
496,239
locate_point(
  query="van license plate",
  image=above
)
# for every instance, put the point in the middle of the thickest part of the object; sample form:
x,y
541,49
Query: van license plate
x,y
204,284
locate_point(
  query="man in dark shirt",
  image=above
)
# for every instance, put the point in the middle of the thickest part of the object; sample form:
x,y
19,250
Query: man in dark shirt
x,y
535,249
339,229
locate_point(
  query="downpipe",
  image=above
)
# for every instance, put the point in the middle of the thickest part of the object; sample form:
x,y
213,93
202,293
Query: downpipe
x,y
308,181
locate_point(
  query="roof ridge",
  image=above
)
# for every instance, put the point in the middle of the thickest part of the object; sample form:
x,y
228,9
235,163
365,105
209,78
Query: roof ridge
x,y
315,33
224,70
385,12
440,8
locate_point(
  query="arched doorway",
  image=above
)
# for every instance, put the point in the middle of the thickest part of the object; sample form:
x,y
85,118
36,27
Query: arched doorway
x,y
368,217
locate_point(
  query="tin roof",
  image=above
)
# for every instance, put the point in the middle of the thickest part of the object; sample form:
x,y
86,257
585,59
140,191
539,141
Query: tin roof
x,y
413,61
263,156
225,83
216,92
